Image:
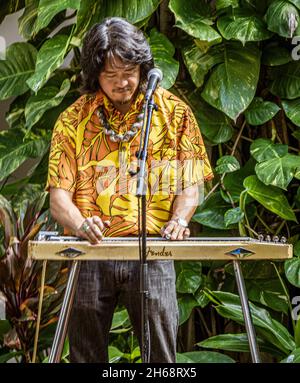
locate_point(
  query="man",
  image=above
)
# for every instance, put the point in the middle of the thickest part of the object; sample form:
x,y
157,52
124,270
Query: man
x,y
92,187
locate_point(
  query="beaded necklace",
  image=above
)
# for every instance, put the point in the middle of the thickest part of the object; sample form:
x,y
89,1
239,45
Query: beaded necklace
x,y
127,136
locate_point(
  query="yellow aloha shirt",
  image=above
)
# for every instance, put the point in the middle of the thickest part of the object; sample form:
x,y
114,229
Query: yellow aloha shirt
x,y
85,162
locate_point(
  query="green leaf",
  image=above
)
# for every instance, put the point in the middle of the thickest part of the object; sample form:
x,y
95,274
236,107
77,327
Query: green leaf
x,y
14,151
292,110
114,354
228,89
194,19
163,52
286,83
220,4
50,57
237,343
16,69
275,54
292,271
277,167
186,303
199,62
270,197
211,213
203,357
278,171
294,357
28,19
230,307
263,149
295,2
243,25
282,17
296,247
260,111
268,292
45,99
189,277
213,124
88,14
233,182
233,215
49,8
119,319
227,164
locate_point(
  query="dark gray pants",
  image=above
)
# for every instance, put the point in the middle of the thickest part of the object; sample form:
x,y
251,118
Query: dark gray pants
x,y
104,283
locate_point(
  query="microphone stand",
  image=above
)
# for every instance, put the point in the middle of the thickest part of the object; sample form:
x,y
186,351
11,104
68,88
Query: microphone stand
x,y
142,181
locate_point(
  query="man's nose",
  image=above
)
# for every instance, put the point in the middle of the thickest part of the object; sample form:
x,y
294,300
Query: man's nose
x,y
121,81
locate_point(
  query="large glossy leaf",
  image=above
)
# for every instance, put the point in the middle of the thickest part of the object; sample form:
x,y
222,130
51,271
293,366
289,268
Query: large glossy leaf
x,y
275,54
263,149
163,52
186,303
278,171
220,4
292,271
213,124
45,99
227,164
188,277
199,62
286,83
243,25
276,166
237,342
133,10
233,215
228,89
28,18
194,19
16,69
282,17
49,8
10,6
292,110
211,212
230,307
268,292
50,57
260,111
14,151
270,197
203,357
88,14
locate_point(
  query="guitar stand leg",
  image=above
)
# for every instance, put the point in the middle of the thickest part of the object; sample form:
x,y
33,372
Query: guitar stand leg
x,y
246,312
63,321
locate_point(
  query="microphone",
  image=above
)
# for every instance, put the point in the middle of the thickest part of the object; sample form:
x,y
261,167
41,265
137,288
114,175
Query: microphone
x,y
154,76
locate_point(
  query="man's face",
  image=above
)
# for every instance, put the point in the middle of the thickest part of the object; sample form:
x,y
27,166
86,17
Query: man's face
x,y
119,81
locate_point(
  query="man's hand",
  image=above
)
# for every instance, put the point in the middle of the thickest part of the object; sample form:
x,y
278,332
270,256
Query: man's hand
x,y
174,231
68,215
92,229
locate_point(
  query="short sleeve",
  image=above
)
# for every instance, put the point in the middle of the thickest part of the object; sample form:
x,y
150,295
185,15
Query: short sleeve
x,y
194,165
62,169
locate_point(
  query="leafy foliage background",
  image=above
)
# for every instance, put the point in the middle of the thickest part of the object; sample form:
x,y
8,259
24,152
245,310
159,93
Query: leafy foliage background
x,y
236,63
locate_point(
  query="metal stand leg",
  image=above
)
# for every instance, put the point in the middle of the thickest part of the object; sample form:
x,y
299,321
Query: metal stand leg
x,y
246,312
62,326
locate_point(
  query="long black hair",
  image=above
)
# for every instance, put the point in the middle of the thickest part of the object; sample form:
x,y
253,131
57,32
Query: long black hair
x,y
114,37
